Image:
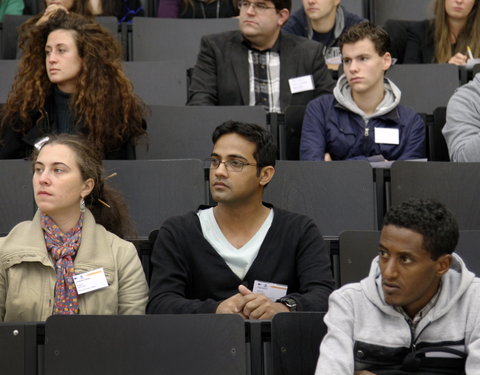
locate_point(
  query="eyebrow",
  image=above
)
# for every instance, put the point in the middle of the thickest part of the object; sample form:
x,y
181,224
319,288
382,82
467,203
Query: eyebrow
x,y
231,156
403,252
55,45
55,164
381,247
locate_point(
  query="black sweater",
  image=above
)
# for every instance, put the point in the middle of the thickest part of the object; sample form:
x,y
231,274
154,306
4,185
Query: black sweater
x,y
189,276
15,145
420,47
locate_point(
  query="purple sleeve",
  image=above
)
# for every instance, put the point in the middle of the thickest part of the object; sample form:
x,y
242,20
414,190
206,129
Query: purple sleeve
x,y
168,8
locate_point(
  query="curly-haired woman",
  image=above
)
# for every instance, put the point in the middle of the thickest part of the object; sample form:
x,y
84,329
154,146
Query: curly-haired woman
x,y
71,80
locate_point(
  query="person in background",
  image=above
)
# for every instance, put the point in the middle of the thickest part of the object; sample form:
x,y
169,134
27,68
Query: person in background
x,y
71,80
323,21
81,7
76,231
447,37
197,8
363,119
417,311
14,7
462,128
124,10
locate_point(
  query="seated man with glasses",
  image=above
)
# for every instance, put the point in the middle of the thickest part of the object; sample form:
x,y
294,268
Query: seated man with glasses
x,y
259,64
242,256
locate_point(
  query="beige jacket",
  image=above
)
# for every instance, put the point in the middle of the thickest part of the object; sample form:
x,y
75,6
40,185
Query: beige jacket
x,y
27,274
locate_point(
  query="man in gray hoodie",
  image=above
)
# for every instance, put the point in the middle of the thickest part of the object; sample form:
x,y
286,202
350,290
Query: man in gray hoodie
x,y
462,130
363,118
418,311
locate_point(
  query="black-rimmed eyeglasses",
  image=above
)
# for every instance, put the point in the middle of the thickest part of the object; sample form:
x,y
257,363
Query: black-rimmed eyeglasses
x,y
233,165
257,6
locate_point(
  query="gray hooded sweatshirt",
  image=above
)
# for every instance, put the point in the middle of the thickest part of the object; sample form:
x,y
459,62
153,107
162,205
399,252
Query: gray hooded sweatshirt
x,y
462,129
365,333
391,99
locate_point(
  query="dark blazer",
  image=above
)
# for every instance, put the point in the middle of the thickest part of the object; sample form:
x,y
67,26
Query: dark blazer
x,y
221,77
420,47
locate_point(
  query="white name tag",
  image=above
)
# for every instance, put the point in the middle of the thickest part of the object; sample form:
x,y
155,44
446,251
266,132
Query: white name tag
x,y
300,84
91,280
333,56
387,135
270,290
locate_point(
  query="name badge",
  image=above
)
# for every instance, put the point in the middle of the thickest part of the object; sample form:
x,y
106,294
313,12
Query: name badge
x,y
270,290
333,56
387,135
91,280
301,84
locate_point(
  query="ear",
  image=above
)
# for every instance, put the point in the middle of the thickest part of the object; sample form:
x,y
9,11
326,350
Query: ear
x,y
283,16
88,186
266,175
443,264
387,61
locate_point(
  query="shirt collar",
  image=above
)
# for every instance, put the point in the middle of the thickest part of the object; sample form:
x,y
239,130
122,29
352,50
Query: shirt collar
x,y
424,311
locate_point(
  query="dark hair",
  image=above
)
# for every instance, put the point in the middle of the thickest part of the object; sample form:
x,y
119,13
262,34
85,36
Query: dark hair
x,y
114,218
282,4
378,36
265,153
429,218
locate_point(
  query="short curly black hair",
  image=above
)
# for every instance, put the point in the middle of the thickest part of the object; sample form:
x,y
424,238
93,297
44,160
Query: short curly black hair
x,y
266,151
429,218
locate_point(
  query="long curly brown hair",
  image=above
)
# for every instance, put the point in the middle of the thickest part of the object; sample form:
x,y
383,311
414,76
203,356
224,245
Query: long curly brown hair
x,y
104,102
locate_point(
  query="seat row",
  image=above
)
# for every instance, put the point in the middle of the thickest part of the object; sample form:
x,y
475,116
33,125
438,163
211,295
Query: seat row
x,y
185,344
338,196
164,82
163,344
163,86
150,38
375,10
176,132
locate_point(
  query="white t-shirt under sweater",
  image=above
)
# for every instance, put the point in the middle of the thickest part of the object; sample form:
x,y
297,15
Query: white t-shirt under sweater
x,y
239,260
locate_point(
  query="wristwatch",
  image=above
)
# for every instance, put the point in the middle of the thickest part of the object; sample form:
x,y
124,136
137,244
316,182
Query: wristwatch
x,y
289,302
